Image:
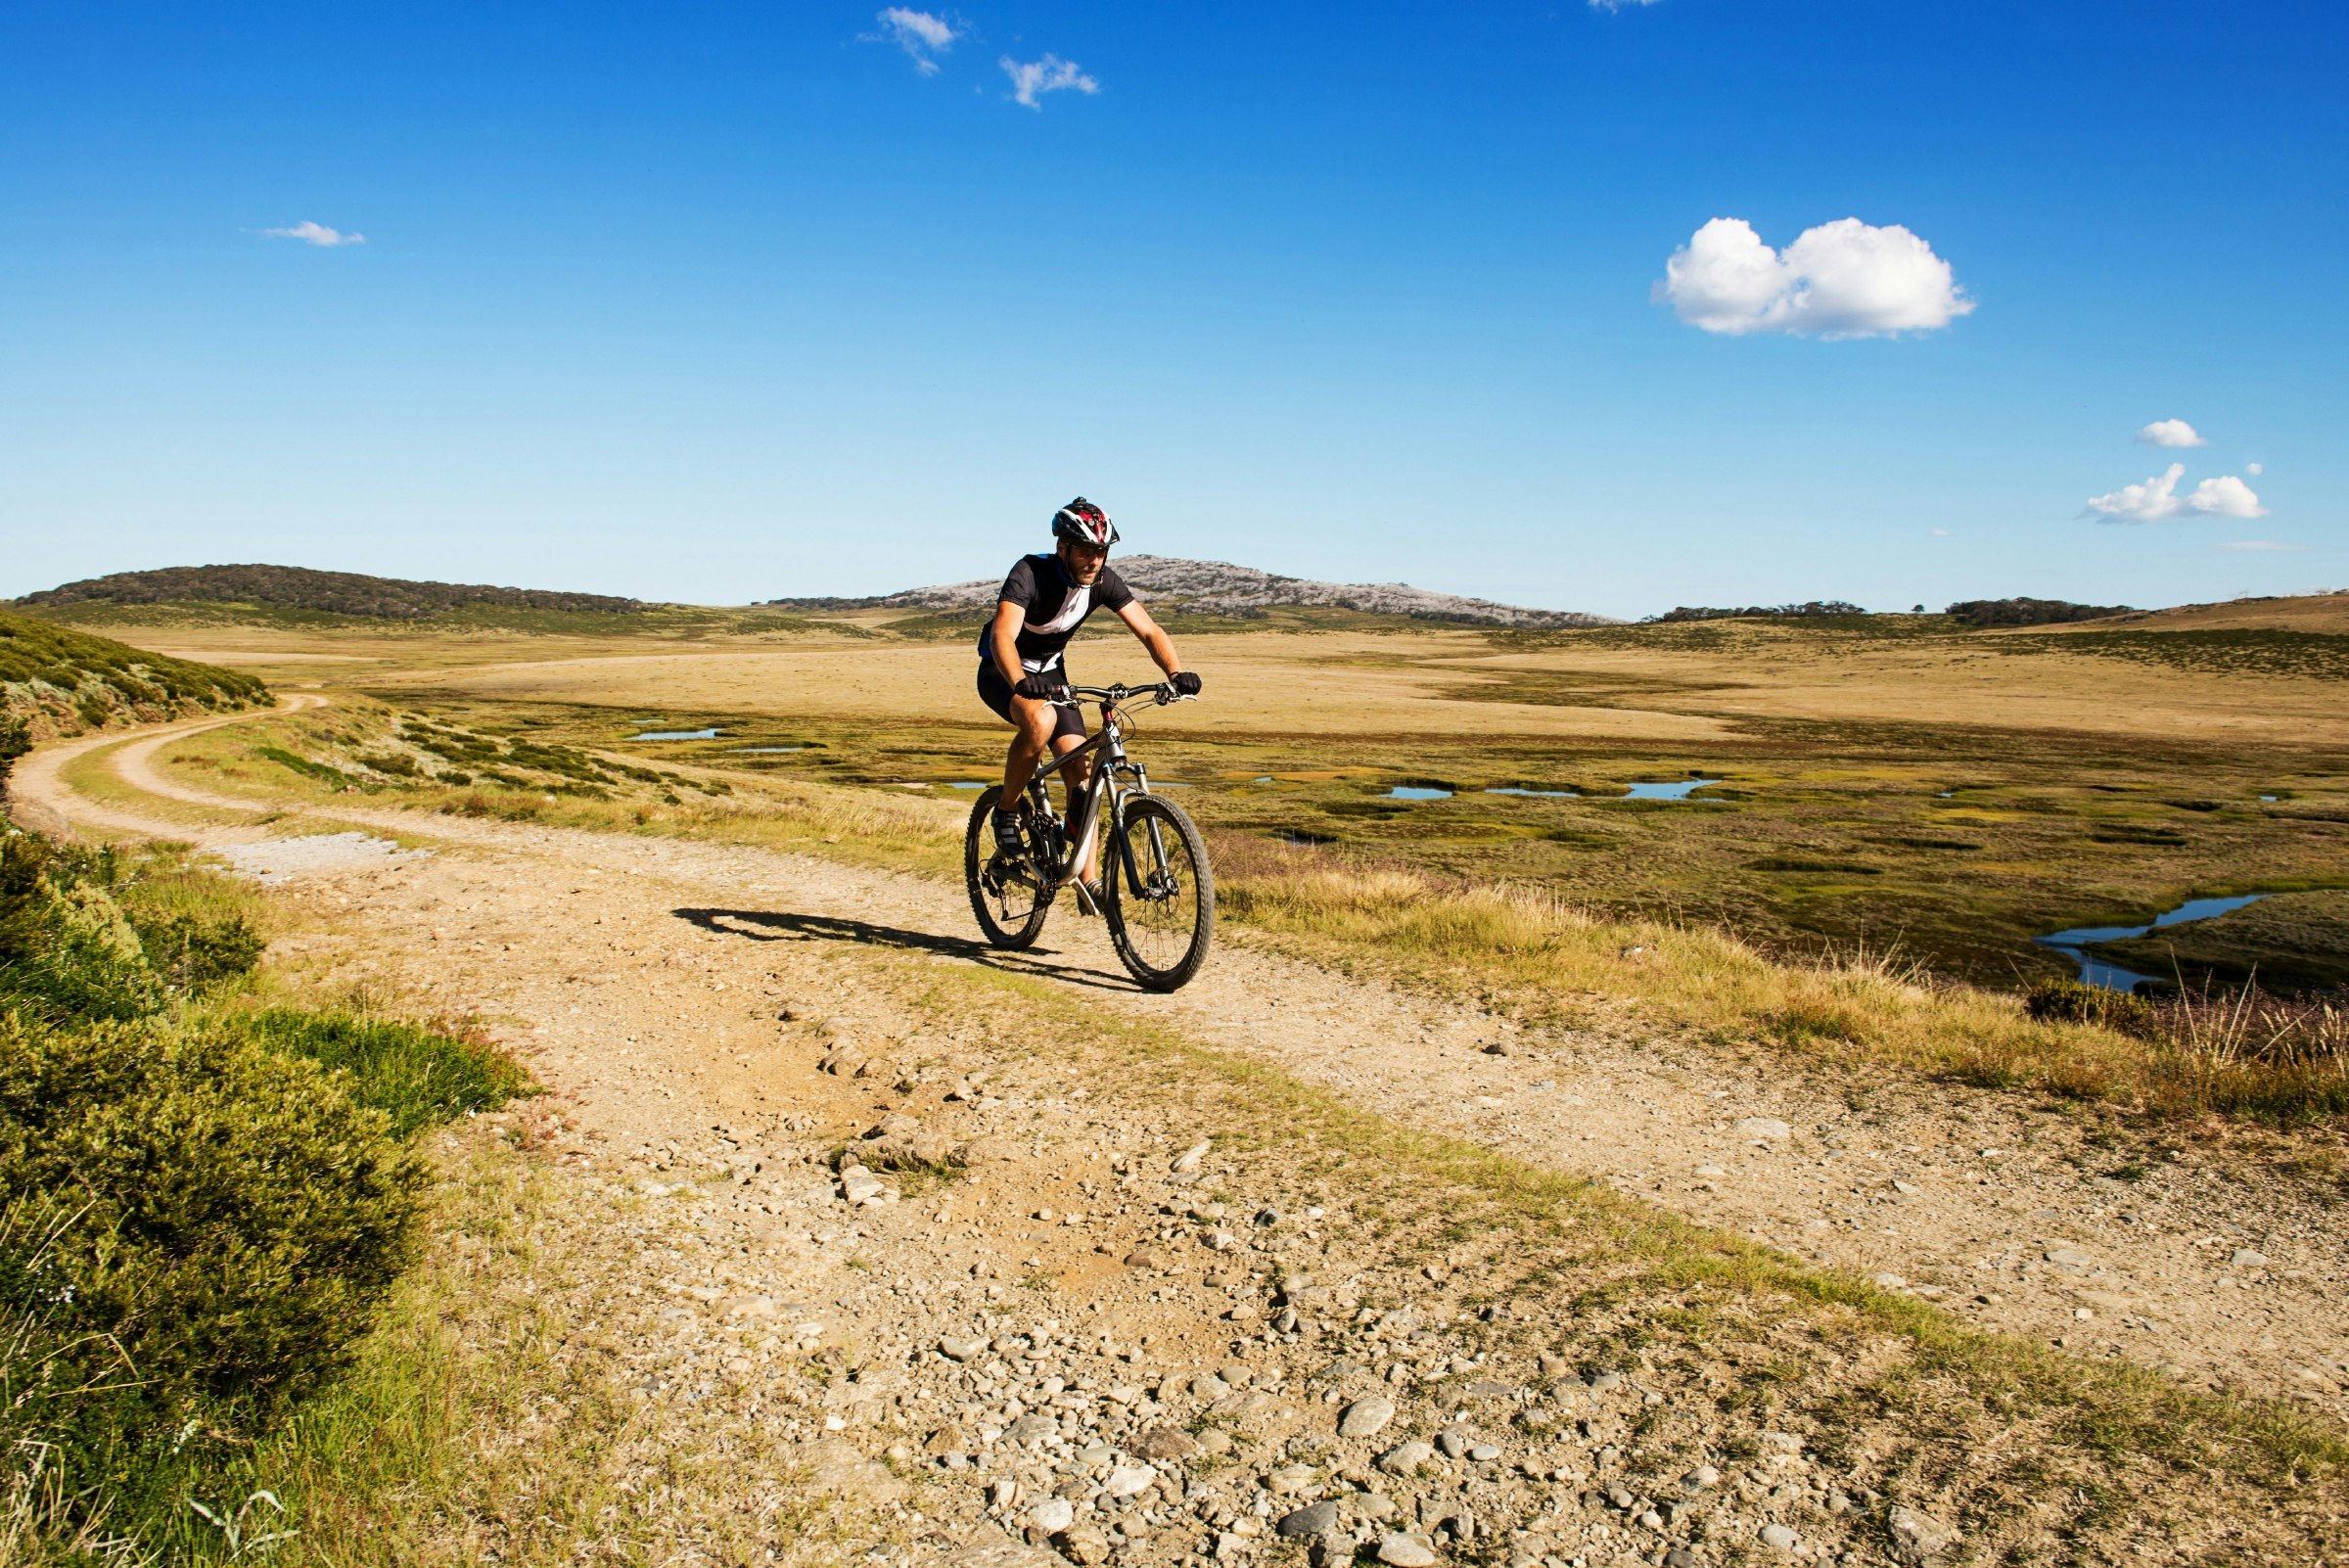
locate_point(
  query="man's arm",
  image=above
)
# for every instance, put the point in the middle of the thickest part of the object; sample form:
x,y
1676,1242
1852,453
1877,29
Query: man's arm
x,y
1003,640
1154,636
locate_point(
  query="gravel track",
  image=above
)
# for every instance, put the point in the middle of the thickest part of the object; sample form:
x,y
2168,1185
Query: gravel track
x,y
646,978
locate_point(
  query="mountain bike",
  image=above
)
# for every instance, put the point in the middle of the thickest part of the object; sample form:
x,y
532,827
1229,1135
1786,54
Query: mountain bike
x,y
1158,891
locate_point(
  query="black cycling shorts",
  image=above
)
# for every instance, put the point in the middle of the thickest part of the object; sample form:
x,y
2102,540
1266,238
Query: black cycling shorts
x,y
995,692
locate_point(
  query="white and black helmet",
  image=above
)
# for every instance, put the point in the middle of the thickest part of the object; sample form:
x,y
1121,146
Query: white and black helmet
x,y
1087,524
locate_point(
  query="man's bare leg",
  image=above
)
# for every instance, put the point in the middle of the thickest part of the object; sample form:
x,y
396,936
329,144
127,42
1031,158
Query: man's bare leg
x,y
1033,719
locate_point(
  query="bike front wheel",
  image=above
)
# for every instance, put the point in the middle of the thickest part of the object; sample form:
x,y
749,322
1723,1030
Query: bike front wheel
x,y
1162,896
1006,895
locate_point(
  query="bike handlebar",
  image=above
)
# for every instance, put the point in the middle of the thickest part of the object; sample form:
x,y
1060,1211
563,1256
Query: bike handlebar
x,y
1163,692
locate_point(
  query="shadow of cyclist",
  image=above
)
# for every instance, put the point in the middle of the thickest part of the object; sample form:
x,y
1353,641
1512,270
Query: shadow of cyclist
x,y
776,925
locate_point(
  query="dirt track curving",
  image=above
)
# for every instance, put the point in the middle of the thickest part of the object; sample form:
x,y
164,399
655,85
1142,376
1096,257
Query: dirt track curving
x,y
646,978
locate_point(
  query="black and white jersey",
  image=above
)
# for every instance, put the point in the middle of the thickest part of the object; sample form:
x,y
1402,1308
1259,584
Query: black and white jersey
x,y
1054,608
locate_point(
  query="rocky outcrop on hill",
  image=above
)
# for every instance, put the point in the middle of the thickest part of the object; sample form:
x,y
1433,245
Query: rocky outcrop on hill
x,y
1219,588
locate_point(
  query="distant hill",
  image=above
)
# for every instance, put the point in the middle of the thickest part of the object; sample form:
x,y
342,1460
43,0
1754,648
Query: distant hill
x,y
1219,588
2322,613
345,593
57,681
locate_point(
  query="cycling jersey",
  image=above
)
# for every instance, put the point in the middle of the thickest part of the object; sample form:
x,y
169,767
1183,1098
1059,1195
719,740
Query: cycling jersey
x,y
1054,608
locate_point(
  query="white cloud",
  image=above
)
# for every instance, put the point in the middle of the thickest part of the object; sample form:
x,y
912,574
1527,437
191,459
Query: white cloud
x,y
2170,433
1618,5
923,36
2255,468
2157,500
1050,74
1845,279
309,233
2226,496
1941,533
2260,545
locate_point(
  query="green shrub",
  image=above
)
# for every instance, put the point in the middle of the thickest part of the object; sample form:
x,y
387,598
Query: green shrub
x,y
66,952
323,772
198,1210
2074,1001
15,739
399,764
215,1219
195,928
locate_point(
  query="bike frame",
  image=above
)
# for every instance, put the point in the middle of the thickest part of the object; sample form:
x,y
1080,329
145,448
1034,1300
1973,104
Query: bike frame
x,y
1104,785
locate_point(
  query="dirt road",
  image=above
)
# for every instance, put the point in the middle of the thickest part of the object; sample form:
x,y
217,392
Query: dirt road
x,y
650,981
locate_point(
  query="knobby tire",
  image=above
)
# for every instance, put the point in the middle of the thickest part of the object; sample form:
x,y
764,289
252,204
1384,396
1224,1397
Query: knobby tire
x,y
1162,930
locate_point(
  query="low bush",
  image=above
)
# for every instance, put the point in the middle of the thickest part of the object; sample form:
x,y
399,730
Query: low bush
x,y
214,1219
200,1206
2074,1001
66,951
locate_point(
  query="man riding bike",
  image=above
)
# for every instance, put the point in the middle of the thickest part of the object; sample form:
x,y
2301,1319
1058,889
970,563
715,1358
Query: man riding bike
x,y
1043,601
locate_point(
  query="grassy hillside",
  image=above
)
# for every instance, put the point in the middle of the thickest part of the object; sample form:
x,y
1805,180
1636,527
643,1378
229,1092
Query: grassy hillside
x,y
664,620
55,681
346,593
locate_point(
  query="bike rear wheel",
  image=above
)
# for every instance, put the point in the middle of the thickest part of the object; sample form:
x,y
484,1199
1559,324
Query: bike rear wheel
x,y
1008,897
1162,895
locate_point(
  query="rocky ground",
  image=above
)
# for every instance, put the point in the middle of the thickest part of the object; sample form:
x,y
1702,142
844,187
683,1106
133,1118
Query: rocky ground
x,y
1017,1267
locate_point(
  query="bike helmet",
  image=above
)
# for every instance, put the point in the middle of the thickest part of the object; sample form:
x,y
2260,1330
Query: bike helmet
x,y
1087,524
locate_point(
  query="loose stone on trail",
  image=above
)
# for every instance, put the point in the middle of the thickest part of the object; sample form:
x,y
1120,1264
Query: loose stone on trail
x,y
1406,1551
1308,1521
1407,1458
1165,1443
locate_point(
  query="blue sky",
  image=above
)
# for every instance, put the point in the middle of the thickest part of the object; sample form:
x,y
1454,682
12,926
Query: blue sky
x,y
718,302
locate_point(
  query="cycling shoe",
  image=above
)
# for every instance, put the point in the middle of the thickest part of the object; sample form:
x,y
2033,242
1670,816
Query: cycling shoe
x,y
1009,839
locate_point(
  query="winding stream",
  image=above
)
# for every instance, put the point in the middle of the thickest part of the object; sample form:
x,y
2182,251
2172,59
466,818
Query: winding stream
x,y
2112,977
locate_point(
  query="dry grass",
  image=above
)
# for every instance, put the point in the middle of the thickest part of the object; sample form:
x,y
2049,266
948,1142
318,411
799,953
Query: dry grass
x,y
1441,684
1542,956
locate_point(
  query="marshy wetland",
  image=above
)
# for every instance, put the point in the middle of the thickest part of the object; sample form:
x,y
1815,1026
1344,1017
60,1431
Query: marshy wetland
x,y
1887,783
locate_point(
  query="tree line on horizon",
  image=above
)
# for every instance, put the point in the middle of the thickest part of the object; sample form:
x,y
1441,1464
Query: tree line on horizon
x,y
1967,612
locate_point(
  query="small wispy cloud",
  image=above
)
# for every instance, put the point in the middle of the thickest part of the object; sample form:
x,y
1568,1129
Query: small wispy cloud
x,y
1051,74
2170,433
2255,468
309,233
2260,545
2156,499
1618,5
922,35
